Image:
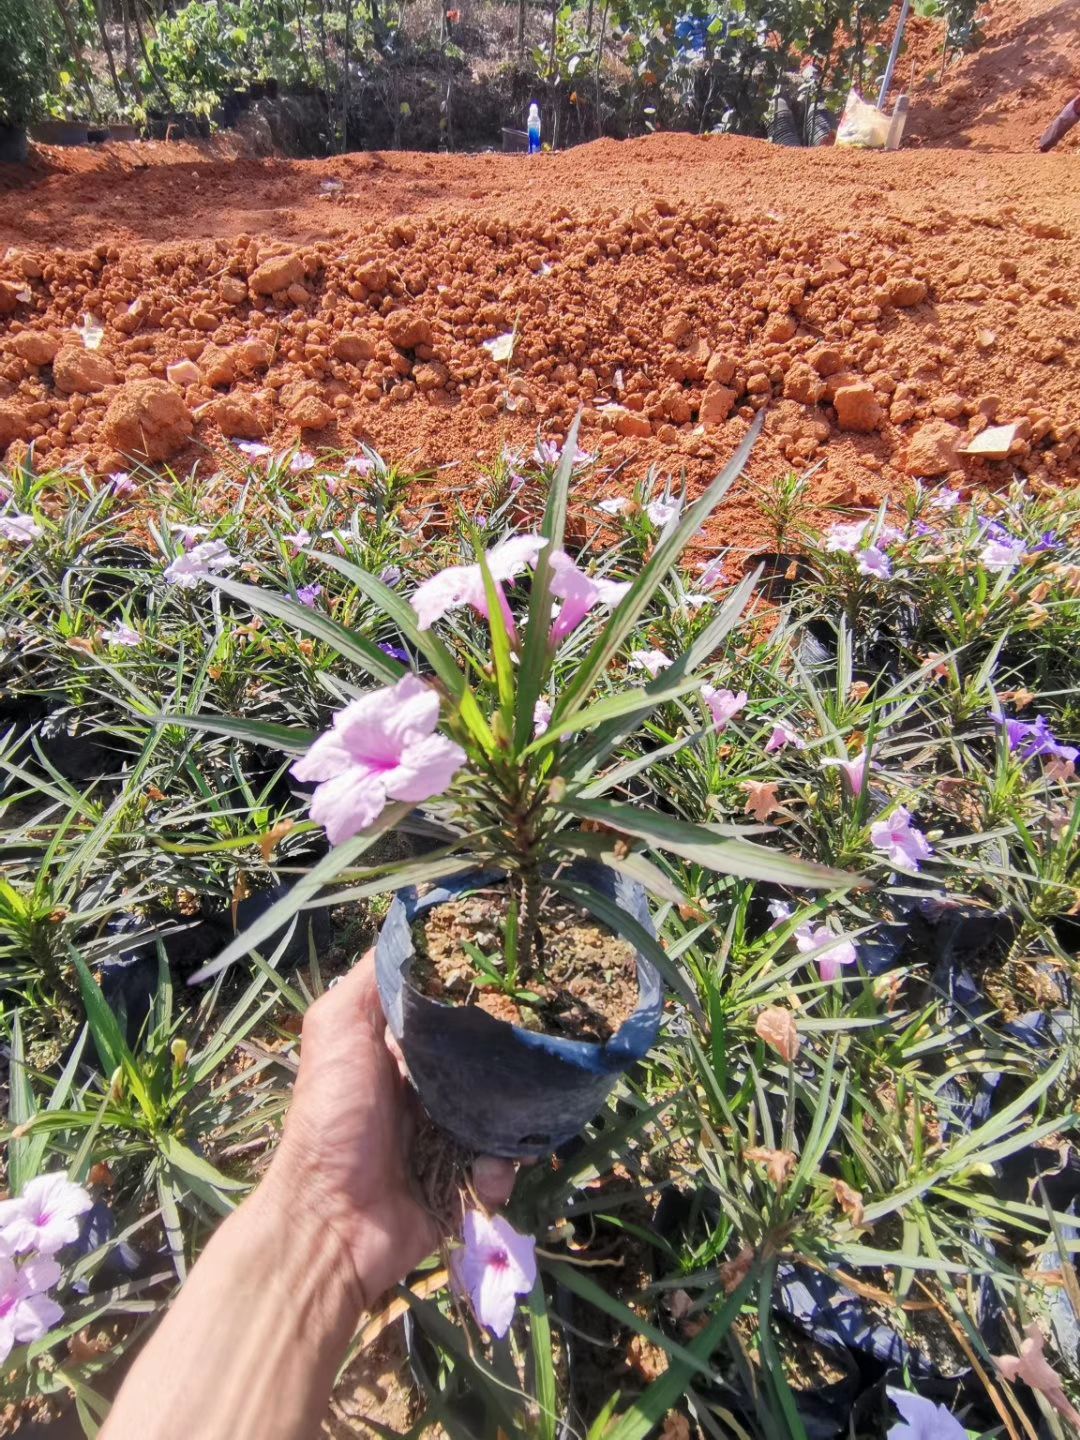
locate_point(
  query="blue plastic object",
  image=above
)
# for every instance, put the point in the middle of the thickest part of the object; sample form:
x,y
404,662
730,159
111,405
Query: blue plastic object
x,y
534,129
498,1088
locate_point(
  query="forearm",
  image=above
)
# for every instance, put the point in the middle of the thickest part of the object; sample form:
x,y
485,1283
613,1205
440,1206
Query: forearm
x,y
252,1343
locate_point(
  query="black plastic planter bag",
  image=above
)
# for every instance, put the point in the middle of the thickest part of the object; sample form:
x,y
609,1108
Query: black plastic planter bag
x,y
498,1088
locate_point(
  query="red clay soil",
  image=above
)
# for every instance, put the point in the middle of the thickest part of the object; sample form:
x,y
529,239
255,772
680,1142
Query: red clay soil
x,y
885,307
1004,94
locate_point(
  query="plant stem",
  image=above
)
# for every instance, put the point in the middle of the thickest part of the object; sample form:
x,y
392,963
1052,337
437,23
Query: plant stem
x,y
529,921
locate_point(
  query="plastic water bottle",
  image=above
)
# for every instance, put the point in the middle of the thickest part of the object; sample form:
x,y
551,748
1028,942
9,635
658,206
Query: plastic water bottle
x,y
534,129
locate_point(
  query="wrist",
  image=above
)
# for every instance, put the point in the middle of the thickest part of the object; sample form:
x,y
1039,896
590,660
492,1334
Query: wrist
x,y
313,1251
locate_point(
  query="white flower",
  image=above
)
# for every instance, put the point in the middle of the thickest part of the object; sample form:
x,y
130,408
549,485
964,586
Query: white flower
x,y
19,529
541,716
873,561
254,449
301,461
663,512
846,539
210,558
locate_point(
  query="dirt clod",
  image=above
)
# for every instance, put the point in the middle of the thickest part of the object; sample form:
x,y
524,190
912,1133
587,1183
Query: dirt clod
x,y
148,420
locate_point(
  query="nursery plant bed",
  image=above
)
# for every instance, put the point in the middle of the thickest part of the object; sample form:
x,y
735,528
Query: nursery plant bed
x,y
60,132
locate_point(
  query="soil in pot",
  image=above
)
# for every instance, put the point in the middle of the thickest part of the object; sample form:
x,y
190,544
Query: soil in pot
x,y
584,985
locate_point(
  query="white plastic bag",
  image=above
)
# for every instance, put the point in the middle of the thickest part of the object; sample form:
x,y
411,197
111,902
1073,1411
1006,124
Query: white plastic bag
x,y
863,125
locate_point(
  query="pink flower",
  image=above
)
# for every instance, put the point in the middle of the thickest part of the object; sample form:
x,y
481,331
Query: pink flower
x,y
846,539
579,593
19,529
381,747
331,482
210,558
301,461
780,738
121,484
663,512
188,535
464,585
45,1217
358,465
300,541
26,1312
253,449
854,770
873,561
546,452
494,1266
121,634
651,661
723,704
541,717
831,954
903,844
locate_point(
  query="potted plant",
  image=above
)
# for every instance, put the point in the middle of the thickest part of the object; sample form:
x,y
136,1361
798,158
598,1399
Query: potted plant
x,y
25,43
531,910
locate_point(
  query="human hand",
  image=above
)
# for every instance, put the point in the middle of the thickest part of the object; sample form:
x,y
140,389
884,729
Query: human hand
x,y
343,1160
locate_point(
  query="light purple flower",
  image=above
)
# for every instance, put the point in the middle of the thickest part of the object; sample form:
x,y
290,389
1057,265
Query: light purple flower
x,y
210,558
188,535
300,541
723,704
390,575
308,595
121,484
693,600
464,585
480,521
579,593
615,505
651,661
254,449
1001,552
121,634
903,844
493,1268
780,911
875,562
516,483
19,529
546,452
45,1217
781,737
945,499
358,465
541,717
381,747
26,1312
301,461
846,539
663,512
854,770
830,953
712,573
922,1419
396,652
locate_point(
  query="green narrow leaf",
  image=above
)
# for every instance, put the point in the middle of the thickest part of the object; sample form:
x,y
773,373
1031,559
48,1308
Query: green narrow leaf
x,y
362,652
108,1037
293,740
21,1109
534,659
701,845
325,872
638,1422
543,1364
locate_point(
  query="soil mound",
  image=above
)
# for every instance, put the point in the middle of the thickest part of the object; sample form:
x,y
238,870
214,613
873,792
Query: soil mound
x,y
669,287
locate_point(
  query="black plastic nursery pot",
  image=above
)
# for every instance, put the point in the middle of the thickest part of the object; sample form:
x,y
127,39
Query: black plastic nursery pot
x,y
60,132
495,1087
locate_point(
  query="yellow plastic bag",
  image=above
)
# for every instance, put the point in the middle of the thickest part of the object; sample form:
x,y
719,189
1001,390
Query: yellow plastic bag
x,y
862,125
